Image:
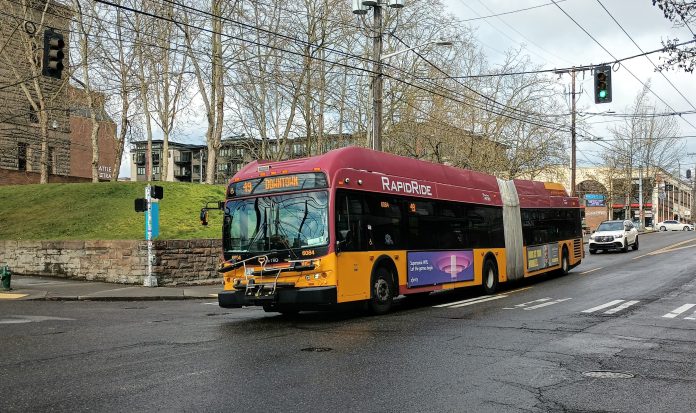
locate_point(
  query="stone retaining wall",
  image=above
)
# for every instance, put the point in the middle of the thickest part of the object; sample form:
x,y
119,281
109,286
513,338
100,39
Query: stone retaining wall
x,y
176,261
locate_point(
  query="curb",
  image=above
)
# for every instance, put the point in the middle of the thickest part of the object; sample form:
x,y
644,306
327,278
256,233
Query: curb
x,y
140,298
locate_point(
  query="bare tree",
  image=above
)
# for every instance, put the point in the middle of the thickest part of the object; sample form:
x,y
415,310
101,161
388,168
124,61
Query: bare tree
x,y
84,14
643,141
681,13
45,97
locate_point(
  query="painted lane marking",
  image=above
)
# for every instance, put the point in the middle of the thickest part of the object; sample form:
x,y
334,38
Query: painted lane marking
x,y
589,271
518,290
603,306
213,295
534,307
467,301
490,298
11,296
541,300
674,313
621,307
691,317
667,249
23,319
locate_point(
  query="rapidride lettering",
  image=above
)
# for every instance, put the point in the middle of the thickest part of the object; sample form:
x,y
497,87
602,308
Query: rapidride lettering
x,y
412,187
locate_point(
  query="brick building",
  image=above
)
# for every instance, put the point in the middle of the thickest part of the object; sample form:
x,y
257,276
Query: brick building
x,y
81,134
67,146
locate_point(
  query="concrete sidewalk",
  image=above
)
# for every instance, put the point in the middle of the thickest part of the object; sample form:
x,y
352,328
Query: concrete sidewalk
x,y
47,288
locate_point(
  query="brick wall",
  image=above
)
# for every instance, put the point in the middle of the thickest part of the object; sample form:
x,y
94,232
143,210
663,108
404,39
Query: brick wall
x,y
176,262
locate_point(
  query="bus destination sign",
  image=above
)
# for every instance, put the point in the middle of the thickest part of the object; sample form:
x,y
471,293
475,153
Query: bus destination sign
x,y
281,183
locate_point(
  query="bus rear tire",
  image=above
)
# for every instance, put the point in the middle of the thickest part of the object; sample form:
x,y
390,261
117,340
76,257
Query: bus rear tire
x,y
490,277
381,292
565,262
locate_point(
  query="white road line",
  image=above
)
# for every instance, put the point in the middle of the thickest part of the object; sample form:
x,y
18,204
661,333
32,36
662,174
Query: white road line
x,y
541,300
691,317
621,307
677,311
600,307
589,271
490,298
468,301
534,307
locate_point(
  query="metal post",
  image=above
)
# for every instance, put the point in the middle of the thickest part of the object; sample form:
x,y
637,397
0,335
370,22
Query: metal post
x,y
377,89
572,134
640,197
150,280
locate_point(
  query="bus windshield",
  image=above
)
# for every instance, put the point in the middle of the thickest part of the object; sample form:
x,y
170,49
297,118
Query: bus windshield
x,y
279,222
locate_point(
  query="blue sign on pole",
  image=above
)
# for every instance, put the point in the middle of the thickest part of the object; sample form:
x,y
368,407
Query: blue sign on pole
x,y
154,210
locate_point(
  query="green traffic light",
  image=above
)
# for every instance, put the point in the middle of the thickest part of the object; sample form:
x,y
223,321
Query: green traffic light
x,y
602,94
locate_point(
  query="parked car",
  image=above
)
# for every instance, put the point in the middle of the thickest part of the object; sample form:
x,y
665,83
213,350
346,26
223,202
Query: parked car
x,y
673,225
614,235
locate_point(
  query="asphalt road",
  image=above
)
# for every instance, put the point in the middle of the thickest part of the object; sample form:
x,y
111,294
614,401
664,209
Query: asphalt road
x,y
617,334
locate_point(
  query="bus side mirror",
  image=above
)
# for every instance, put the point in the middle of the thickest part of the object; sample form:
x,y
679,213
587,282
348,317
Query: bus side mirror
x,y
204,216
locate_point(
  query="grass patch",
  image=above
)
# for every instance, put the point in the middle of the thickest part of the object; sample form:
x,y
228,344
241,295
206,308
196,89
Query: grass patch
x,y
103,211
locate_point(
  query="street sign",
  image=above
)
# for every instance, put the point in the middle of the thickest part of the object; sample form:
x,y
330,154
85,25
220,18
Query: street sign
x,y
661,195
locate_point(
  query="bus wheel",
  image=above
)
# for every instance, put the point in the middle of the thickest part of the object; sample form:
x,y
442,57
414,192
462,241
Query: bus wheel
x,y
565,264
382,292
490,277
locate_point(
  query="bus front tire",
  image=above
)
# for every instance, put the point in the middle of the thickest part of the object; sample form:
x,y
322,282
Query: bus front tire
x,y
381,292
490,277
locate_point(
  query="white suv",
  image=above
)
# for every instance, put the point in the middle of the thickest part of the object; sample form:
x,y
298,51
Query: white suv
x,y
614,235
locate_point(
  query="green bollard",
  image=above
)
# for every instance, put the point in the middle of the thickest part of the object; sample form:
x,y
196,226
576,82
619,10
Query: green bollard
x,y
6,277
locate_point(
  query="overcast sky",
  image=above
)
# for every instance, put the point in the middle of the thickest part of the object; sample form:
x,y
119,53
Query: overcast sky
x,y
554,40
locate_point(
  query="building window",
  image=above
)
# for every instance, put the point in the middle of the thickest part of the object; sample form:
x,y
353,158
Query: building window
x,y
33,117
21,156
50,160
141,170
155,170
155,158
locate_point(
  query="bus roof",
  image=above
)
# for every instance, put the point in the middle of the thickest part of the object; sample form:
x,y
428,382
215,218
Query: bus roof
x,y
346,166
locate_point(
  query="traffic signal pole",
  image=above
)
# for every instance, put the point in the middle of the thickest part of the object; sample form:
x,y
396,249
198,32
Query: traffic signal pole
x,y
150,280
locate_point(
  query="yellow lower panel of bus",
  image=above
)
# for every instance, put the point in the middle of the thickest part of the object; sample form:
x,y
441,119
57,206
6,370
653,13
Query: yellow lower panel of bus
x,y
541,259
354,270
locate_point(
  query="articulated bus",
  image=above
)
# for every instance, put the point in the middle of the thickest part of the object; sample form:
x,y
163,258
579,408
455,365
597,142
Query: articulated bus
x,y
360,225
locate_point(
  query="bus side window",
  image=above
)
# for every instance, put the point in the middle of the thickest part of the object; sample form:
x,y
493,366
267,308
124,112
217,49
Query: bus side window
x,y
350,221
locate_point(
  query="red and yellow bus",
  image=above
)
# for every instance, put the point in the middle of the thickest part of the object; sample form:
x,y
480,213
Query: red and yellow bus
x,y
360,225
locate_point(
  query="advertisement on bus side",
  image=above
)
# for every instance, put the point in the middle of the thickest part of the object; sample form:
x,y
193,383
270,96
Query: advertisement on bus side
x,y
542,256
439,267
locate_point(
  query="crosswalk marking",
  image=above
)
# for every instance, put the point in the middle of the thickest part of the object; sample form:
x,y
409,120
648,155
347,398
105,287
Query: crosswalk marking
x,y
621,307
541,300
490,298
471,300
603,306
674,313
691,317
534,307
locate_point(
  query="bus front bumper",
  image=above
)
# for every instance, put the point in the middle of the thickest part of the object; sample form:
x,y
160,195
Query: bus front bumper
x,y
299,297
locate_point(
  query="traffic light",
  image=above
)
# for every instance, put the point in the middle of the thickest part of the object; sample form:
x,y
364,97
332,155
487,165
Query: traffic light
x,y
140,205
53,54
156,192
602,84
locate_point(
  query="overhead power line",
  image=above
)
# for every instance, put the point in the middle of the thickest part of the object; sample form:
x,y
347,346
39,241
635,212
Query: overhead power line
x,y
613,57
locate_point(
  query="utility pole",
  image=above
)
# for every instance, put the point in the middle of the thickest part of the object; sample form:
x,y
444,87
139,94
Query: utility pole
x,y
573,149
572,133
377,85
